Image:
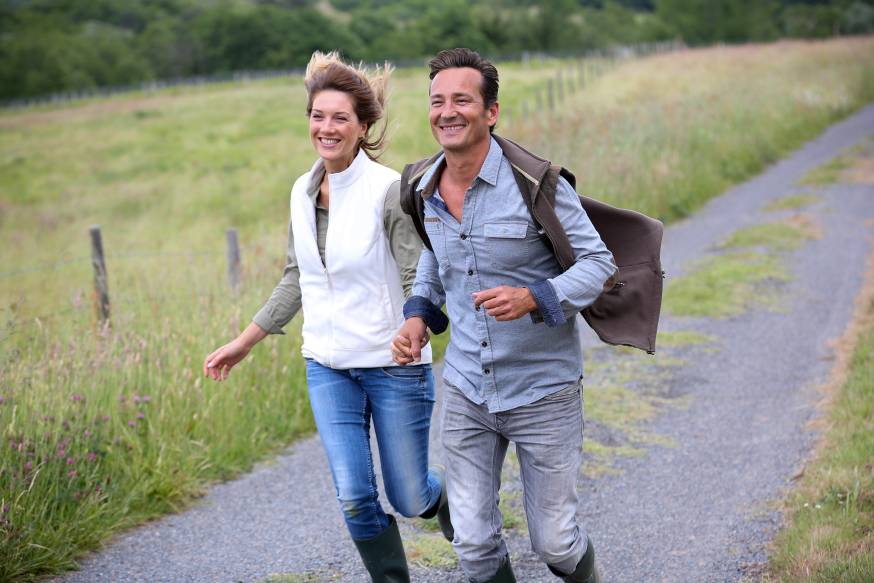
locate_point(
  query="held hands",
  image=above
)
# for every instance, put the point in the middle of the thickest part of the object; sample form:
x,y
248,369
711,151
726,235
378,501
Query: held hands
x,y
406,347
505,303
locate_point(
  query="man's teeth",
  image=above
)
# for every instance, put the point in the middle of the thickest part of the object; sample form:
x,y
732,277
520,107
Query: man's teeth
x,y
452,128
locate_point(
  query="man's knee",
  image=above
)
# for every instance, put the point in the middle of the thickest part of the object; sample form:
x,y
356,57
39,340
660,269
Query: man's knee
x,y
558,548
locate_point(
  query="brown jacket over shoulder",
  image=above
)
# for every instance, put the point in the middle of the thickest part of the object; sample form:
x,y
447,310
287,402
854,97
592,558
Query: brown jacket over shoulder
x,y
627,312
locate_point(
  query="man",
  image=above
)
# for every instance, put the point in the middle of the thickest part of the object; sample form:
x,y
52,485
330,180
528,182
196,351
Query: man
x,y
513,367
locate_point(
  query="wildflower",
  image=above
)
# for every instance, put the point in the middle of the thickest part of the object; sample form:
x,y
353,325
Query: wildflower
x,y
132,423
86,433
91,456
72,474
77,398
5,509
136,398
2,399
71,461
146,399
141,415
28,466
98,489
121,398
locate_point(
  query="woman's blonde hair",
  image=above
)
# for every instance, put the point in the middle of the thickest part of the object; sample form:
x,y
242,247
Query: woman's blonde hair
x,y
366,88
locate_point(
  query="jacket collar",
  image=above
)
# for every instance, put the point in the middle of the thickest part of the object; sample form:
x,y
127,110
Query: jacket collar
x,y
488,172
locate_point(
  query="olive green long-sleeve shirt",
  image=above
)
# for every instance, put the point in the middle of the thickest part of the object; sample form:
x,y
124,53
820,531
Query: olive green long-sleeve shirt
x,y
404,242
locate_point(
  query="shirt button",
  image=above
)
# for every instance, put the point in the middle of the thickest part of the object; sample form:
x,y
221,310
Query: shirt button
x,y
470,271
484,343
463,236
486,371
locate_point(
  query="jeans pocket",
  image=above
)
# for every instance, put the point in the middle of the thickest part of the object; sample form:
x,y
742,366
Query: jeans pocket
x,y
415,372
568,393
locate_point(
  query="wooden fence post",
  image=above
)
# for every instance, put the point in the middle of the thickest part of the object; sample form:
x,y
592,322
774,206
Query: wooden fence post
x,y
550,96
101,286
233,259
559,81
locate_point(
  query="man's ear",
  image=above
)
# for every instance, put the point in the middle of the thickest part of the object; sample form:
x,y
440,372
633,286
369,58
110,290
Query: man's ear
x,y
492,113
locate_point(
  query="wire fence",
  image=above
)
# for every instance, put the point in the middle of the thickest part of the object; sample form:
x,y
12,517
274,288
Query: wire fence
x,y
247,76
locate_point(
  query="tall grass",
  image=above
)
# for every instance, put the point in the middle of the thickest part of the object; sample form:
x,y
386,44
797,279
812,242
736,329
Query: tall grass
x,y
104,427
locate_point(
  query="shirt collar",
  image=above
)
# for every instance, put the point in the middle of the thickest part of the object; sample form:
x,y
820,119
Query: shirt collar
x,y
488,172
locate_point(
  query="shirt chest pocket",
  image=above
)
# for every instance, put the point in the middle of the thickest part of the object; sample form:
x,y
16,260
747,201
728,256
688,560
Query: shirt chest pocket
x,y
508,243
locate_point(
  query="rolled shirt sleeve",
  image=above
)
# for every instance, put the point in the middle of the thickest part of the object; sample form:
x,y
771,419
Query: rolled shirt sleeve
x,y
428,295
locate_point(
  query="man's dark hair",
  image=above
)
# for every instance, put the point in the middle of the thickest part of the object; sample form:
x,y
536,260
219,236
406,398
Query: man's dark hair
x,y
457,58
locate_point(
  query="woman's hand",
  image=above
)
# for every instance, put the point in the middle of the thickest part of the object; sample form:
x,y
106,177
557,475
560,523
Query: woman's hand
x,y
219,363
406,347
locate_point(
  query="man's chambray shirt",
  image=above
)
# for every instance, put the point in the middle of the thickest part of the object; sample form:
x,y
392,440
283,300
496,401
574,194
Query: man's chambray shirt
x,y
507,364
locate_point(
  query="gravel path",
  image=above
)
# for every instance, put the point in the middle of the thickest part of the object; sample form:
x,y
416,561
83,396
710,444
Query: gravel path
x,y
696,509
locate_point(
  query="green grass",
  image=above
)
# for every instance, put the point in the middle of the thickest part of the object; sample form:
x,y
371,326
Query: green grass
x,y
831,171
792,202
725,285
165,174
829,537
308,577
430,550
781,236
721,286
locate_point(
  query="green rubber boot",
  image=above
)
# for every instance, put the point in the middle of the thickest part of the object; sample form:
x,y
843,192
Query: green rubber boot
x,y
383,555
586,571
504,574
441,509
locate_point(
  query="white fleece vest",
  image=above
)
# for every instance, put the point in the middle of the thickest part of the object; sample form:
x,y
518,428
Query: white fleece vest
x,y
353,303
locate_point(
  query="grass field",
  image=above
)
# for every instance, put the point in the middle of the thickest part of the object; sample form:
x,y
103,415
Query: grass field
x,y
104,428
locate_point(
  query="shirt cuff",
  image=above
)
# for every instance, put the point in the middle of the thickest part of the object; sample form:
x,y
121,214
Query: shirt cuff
x,y
265,321
547,304
424,308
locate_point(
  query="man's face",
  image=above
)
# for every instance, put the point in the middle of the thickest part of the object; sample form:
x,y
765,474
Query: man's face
x,y
458,115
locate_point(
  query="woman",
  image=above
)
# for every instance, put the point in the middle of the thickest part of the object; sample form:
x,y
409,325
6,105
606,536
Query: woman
x,y
351,274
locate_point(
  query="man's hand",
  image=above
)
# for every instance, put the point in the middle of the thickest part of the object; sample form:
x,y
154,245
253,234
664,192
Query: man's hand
x,y
505,303
406,347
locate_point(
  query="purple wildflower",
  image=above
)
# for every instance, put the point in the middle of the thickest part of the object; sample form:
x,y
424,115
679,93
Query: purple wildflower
x,y
77,398
28,466
132,423
146,399
71,474
86,433
2,399
71,461
136,398
91,456
141,415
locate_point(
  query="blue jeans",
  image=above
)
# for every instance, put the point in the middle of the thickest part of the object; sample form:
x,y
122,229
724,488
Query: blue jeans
x,y
400,401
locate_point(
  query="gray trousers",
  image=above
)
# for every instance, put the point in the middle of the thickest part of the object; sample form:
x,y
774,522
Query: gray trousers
x,y
548,435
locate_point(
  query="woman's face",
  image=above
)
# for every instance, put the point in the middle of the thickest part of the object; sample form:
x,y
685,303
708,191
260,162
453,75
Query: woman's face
x,y
334,129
